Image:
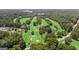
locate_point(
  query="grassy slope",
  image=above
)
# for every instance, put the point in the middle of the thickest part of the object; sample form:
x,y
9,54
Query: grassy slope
x,y
23,20
75,43
56,24
36,37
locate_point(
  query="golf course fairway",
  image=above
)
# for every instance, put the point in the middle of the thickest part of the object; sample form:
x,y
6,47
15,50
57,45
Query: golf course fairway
x,y
32,36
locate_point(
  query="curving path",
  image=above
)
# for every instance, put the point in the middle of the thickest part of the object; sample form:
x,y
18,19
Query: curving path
x,y
69,34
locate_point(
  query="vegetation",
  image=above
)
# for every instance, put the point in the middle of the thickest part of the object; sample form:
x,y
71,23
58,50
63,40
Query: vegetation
x,y
75,33
11,40
39,31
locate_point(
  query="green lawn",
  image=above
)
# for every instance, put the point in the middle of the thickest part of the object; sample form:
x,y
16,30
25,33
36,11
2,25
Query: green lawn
x,y
75,43
36,38
23,20
44,23
55,25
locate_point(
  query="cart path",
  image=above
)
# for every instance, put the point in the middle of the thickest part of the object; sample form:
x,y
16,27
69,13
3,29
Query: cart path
x,y
69,34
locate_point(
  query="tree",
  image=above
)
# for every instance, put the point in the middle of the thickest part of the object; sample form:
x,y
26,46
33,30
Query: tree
x,y
3,43
75,33
28,22
65,47
13,40
12,49
17,47
51,41
68,40
49,22
60,34
38,46
39,21
44,29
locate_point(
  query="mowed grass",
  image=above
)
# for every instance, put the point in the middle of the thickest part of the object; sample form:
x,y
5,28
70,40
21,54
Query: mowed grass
x,y
26,36
23,20
36,38
75,43
44,23
55,25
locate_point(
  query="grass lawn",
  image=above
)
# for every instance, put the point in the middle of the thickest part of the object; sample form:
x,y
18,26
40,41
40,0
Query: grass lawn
x,y
36,38
55,25
75,43
23,20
